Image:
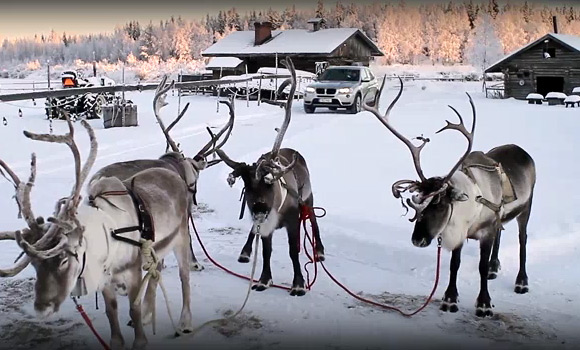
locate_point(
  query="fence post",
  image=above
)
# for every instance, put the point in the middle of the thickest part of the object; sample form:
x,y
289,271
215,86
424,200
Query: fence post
x,y
260,89
48,72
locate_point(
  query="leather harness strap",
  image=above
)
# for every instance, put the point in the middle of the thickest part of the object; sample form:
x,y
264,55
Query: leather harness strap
x,y
145,225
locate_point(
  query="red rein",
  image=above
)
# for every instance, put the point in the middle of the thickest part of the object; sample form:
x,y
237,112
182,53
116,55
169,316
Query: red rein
x,y
306,214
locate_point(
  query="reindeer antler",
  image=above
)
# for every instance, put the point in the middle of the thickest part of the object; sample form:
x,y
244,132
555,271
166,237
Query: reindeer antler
x,y
287,62
461,128
67,211
384,119
158,103
205,150
23,200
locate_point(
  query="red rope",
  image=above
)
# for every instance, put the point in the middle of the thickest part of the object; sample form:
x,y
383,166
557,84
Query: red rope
x,y
307,213
222,267
90,324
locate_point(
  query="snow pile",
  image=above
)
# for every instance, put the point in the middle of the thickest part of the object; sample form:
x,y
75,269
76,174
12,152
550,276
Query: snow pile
x,y
557,95
534,96
572,99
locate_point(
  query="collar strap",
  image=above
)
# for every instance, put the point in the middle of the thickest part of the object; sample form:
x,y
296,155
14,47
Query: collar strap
x,y
283,190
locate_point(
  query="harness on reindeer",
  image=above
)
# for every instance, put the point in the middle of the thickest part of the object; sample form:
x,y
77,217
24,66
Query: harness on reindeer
x,y
478,160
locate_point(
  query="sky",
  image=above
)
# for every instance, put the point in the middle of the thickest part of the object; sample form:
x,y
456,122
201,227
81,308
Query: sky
x,y
25,18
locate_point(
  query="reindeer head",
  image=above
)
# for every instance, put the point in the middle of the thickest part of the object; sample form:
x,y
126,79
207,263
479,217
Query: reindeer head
x,y
54,248
263,179
438,201
190,167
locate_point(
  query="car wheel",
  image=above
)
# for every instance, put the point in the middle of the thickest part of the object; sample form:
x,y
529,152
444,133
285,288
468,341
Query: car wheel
x,y
356,106
309,109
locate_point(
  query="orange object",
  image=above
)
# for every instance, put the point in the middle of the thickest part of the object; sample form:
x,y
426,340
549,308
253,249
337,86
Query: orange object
x,y
68,82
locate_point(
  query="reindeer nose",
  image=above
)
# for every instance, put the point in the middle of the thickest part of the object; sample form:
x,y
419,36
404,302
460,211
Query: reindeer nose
x,y
421,243
44,309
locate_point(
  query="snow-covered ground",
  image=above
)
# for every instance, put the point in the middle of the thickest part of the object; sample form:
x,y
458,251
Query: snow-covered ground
x,y
353,161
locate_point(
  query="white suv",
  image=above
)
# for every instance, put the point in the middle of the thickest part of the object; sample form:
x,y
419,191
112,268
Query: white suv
x,y
341,87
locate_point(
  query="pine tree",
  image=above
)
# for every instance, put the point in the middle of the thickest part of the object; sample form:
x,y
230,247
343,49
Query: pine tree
x,y
493,8
472,10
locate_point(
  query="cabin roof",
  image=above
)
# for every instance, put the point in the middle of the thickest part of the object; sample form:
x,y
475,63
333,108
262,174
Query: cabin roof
x,y
292,41
223,62
570,41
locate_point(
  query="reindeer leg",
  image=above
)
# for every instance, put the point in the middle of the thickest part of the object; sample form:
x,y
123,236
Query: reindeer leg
x,y
266,277
449,302
194,265
293,229
494,265
316,231
111,309
140,341
182,254
522,278
247,249
483,306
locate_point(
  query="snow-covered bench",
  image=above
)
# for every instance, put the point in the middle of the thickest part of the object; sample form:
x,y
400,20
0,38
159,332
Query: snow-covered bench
x,y
534,98
556,98
572,100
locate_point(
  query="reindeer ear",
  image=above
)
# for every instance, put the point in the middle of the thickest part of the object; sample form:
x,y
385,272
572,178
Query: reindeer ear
x,y
458,196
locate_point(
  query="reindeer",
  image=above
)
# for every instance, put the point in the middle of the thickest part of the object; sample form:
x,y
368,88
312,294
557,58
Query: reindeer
x,y
187,168
489,190
95,244
277,188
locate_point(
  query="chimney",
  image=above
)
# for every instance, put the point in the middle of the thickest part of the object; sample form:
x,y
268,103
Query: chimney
x,y
555,24
262,31
316,23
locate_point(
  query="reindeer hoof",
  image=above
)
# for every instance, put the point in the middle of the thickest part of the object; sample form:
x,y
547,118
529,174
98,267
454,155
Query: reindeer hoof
x,y
196,266
483,311
491,275
130,323
243,258
320,257
521,289
448,306
260,287
297,292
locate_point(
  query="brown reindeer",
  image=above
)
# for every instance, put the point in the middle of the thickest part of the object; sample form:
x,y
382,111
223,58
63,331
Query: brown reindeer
x,y
482,192
277,187
187,168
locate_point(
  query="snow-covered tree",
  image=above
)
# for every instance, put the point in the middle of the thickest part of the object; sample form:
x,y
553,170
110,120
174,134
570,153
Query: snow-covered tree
x,y
483,47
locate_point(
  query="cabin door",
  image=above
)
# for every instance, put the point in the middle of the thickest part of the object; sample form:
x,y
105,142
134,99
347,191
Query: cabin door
x,y
549,84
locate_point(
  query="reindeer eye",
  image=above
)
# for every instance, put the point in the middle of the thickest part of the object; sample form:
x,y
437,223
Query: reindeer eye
x,y
64,262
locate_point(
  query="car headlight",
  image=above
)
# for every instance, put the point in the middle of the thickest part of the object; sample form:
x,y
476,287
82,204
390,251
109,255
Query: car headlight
x,y
344,91
310,89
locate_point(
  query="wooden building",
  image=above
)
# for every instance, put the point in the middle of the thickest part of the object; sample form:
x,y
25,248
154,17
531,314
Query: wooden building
x,y
549,64
264,47
222,66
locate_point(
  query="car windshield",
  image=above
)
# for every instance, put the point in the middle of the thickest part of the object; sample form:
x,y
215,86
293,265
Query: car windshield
x,y
341,75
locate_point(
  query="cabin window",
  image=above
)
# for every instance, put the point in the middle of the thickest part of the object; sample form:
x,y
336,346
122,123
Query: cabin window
x,y
549,52
526,74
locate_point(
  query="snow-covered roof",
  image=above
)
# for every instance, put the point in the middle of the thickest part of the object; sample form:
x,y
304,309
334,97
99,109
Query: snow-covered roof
x,y
571,41
292,41
223,62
